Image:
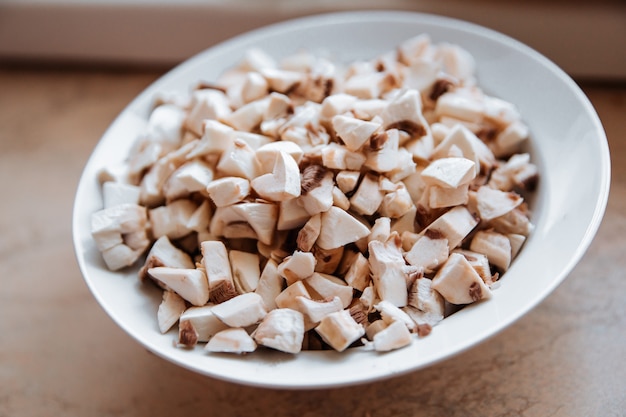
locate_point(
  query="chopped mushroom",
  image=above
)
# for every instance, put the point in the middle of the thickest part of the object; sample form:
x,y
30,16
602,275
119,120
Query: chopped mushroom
x,y
170,309
389,271
458,282
241,311
281,329
339,330
191,284
233,340
394,336
297,194
110,229
205,323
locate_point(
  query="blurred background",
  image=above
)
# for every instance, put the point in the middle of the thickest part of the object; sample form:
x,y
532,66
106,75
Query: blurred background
x,y
586,38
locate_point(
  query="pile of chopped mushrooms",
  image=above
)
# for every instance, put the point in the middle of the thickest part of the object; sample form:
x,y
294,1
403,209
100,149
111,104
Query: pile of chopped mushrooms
x,y
300,204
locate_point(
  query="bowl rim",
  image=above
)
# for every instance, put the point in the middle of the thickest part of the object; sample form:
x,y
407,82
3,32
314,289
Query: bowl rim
x,y
309,22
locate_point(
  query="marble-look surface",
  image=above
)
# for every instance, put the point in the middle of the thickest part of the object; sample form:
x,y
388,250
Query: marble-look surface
x,y
60,354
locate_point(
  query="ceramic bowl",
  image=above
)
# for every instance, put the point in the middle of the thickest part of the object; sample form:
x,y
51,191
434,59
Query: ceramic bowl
x,y
568,144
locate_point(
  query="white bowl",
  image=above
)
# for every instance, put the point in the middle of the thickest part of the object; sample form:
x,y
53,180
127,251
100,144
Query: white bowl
x,y
568,144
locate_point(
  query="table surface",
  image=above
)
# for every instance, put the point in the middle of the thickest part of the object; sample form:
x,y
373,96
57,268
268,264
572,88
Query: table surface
x,y
61,355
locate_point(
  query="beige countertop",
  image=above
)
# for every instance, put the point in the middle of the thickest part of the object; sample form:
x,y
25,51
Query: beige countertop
x,y
61,355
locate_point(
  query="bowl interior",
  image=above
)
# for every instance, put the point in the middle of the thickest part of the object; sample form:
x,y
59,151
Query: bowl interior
x,y
568,144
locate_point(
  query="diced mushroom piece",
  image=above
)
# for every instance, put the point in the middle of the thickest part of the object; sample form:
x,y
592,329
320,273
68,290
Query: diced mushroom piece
x,y
369,109
428,302
200,219
335,156
458,282
365,85
382,154
515,221
247,117
391,313
191,284
227,191
339,330
281,329
233,340
187,335
460,104
347,180
492,203
428,252
190,177
454,225
354,132
241,311
309,233
169,311
373,328
205,323
470,145
404,112
291,215
317,197
368,197
324,286
281,80
396,203
495,246
389,271
358,275
338,228
314,311
369,298
395,336
246,220
110,229
116,193
287,298
441,197
516,172
256,59
245,269
206,104
218,270
270,284
480,263
163,253
509,140
266,155
238,160
449,172
217,138
457,61
284,181
406,223
262,217
517,241
254,87
336,104
327,260
380,230
405,166
109,225
298,266
165,126
172,220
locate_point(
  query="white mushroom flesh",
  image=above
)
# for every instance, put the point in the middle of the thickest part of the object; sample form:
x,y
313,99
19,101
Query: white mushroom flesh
x,y
301,194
